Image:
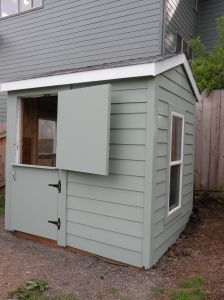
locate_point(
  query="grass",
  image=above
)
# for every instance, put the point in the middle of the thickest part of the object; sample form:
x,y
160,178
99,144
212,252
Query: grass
x,y
189,289
2,203
35,289
113,291
195,282
193,294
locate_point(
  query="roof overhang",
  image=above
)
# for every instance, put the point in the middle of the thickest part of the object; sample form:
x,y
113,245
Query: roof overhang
x,y
122,72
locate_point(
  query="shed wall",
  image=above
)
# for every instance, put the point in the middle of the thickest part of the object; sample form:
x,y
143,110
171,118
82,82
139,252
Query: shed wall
x,y
210,10
67,34
181,17
173,90
105,215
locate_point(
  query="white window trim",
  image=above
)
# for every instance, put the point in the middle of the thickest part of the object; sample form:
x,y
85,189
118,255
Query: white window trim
x,y
175,163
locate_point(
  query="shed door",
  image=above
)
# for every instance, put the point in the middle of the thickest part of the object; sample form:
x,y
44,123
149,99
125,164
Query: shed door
x,y
34,202
83,127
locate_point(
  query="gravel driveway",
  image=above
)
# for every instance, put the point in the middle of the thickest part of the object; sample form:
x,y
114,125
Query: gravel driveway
x,y
199,252
84,276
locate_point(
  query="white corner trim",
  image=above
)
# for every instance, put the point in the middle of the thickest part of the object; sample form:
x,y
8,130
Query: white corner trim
x,y
141,70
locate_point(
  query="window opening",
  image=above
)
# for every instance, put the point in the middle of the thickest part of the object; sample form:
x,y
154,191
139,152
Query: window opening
x,y
38,131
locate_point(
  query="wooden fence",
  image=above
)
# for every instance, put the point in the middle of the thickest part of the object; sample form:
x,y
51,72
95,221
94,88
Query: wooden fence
x,y
209,145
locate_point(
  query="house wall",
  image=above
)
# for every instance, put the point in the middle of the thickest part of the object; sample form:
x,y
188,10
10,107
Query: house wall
x,y
173,91
181,17
67,34
210,10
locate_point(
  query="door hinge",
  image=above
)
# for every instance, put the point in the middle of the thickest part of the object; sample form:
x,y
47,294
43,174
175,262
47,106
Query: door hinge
x,y
56,185
57,223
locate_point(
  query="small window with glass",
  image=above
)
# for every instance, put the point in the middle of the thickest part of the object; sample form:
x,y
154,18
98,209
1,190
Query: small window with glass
x,y
182,46
176,161
12,7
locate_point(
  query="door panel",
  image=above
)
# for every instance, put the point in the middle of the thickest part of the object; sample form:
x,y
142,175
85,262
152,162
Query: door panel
x,y
83,129
34,202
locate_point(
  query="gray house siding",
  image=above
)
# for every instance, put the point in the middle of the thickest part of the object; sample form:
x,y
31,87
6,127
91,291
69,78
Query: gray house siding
x,y
105,215
67,34
174,92
181,17
209,12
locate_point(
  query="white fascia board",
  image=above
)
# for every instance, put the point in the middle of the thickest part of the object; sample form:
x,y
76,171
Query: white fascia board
x,y
80,77
165,65
141,70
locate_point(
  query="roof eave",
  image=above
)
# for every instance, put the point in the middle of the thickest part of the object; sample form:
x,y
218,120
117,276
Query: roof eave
x,y
123,72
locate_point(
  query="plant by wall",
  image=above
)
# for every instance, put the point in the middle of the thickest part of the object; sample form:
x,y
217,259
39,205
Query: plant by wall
x,y
208,67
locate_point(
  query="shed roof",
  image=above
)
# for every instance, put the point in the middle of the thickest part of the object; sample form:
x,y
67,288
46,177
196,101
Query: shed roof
x,y
146,66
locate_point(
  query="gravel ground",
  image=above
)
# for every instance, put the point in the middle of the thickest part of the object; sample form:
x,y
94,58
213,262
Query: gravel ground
x,y
84,276
199,252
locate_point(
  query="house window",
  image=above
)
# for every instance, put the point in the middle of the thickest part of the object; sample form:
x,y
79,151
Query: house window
x,y
182,46
12,7
176,161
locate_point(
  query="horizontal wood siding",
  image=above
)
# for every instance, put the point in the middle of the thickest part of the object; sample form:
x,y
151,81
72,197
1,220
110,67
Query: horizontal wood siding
x,y
71,34
105,213
181,17
210,10
174,90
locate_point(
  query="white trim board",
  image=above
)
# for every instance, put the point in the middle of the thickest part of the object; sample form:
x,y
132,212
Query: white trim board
x,y
140,70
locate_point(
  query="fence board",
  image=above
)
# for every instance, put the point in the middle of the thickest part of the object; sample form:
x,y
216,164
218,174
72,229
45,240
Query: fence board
x,y
198,130
214,140
221,143
209,143
206,134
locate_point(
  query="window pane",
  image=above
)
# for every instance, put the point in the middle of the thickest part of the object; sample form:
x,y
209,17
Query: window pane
x,y
176,146
9,7
24,5
37,3
179,43
46,142
174,187
185,47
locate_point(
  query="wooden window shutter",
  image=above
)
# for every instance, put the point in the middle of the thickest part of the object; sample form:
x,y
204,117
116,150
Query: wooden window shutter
x,y
83,129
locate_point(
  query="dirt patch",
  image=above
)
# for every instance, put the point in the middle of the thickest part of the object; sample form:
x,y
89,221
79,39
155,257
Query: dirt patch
x,y
199,252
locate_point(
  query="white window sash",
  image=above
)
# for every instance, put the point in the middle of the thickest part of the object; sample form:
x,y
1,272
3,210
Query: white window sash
x,y
176,163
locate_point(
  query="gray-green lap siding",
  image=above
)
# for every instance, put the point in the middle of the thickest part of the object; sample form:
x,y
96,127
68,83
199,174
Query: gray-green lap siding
x,y
173,94
105,214
181,17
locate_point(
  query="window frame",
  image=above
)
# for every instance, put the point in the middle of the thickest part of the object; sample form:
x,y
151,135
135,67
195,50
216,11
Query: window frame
x,y
175,163
20,12
188,52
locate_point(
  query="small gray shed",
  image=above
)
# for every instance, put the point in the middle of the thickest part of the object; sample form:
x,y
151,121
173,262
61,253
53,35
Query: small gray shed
x,y
102,159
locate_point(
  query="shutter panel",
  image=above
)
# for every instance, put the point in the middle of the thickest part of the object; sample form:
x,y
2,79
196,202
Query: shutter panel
x,y
83,129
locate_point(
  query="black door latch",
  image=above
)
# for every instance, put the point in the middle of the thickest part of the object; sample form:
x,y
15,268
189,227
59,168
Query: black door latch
x,y
56,185
57,223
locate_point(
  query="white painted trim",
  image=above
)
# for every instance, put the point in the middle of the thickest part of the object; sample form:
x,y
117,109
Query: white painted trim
x,y
141,70
175,163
